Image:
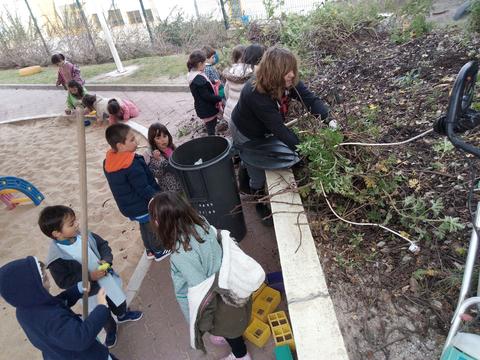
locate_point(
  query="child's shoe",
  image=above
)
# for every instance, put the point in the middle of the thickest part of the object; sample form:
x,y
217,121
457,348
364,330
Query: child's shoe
x,y
232,357
130,316
150,254
160,255
111,338
218,340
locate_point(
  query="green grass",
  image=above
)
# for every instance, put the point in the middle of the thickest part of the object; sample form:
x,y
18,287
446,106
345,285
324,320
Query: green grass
x,y
154,69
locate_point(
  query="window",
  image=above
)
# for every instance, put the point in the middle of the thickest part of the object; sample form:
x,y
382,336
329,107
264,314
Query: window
x,y
115,18
95,21
149,15
134,17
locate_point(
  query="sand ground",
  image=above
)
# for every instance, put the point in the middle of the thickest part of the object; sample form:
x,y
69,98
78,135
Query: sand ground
x,y
45,153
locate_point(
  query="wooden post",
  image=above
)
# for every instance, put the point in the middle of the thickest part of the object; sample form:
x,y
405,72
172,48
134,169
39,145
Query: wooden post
x,y
85,23
82,173
146,21
37,28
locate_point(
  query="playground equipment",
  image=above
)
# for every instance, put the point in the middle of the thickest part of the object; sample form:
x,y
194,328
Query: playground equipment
x,y
30,70
460,118
15,191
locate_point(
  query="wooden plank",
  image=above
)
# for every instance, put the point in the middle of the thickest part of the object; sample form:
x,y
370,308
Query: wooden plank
x,y
314,323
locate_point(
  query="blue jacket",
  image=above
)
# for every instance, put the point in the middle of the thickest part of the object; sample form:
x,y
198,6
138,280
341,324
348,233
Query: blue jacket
x,y
49,323
131,182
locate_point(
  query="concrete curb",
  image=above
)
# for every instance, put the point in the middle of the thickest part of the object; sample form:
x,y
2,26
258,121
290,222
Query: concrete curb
x,y
105,87
29,118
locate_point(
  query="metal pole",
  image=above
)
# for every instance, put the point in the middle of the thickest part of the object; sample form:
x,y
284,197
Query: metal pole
x,y
108,38
85,23
146,21
82,173
38,28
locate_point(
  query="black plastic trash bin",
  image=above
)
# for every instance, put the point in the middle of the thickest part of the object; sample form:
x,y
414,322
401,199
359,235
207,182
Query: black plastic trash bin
x,y
206,169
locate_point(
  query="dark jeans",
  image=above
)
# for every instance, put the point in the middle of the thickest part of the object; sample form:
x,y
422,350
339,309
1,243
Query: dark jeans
x,y
113,357
211,125
149,238
111,325
239,349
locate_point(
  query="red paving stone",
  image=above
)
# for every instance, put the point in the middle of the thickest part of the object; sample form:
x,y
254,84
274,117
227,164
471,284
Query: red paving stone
x,y
163,333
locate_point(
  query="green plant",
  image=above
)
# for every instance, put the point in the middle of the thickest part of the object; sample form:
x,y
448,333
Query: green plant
x,y
271,6
443,147
474,18
356,239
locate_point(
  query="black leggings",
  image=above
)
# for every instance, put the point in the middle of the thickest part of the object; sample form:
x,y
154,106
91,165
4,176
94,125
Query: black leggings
x,y
239,349
211,125
120,310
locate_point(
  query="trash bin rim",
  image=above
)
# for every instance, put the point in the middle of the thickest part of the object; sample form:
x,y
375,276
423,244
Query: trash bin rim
x,y
205,164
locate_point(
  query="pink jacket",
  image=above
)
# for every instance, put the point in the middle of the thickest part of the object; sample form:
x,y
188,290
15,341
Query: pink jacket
x,y
129,109
67,72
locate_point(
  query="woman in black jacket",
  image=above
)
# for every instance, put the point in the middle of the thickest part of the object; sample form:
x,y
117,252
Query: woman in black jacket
x,y
207,103
263,105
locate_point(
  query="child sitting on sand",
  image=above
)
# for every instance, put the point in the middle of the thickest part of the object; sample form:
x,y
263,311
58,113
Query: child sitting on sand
x,y
99,105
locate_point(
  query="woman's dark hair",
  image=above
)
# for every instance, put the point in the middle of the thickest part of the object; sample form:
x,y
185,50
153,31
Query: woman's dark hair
x,y
195,58
113,107
52,218
56,58
89,100
253,54
209,51
80,91
157,129
237,53
174,220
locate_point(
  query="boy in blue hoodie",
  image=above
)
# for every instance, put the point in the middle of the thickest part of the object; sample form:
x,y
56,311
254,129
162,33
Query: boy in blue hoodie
x,y
49,323
132,183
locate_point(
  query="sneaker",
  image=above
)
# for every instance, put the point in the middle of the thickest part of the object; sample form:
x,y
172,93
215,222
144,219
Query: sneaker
x,y
160,255
150,254
130,316
218,340
111,339
232,357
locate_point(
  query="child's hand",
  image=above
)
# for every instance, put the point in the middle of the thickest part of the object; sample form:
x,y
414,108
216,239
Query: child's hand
x,y
102,297
156,154
97,274
466,317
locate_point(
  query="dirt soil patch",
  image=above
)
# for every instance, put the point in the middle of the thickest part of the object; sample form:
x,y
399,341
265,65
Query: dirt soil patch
x,y
391,303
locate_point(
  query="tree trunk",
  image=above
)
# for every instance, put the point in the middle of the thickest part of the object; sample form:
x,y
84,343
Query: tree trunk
x,y
224,13
196,8
89,34
146,21
38,29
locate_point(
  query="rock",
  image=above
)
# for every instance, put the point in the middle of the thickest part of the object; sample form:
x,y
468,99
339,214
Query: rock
x,y
437,304
406,259
381,244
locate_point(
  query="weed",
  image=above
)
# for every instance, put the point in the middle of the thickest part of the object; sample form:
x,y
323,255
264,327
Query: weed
x,y
474,18
444,146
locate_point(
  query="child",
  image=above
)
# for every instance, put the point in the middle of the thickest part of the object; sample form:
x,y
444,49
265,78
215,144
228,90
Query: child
x,y
65,264
211,60
207,104
99,105
238,75
75,94
237,53
66,71
196,259
49,323
161,148
121,110
132,183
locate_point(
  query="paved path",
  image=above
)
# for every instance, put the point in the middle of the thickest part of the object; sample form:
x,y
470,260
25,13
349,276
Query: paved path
x,y
173,109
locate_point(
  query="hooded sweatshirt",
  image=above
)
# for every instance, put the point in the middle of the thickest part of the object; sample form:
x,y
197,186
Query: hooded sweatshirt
x,y
236,77
49,323
131,182
203,94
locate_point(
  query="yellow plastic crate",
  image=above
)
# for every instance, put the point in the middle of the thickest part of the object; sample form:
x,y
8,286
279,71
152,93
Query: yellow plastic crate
x,y
259,290
281,330
257,333
265,303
